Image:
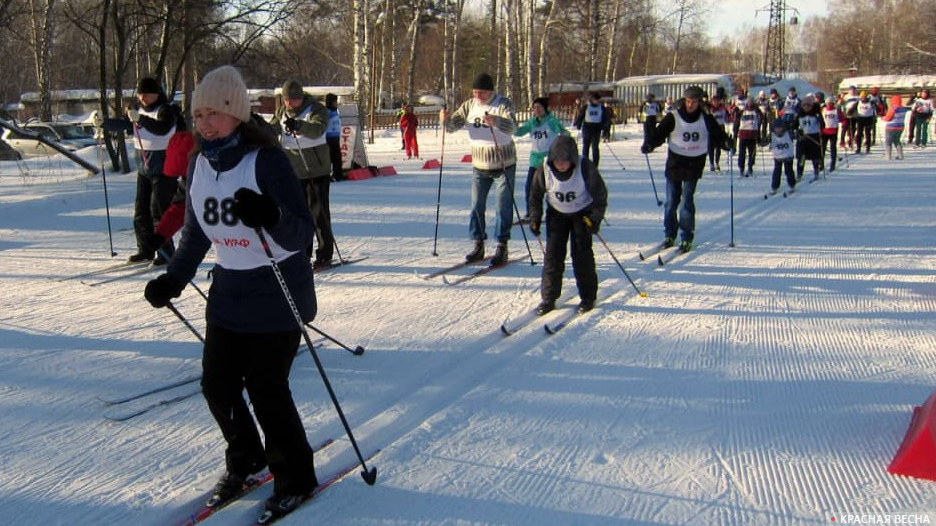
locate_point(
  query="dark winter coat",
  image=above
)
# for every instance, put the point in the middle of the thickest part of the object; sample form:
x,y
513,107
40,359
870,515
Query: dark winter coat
x,y
251,300
564,147
308,163
681,167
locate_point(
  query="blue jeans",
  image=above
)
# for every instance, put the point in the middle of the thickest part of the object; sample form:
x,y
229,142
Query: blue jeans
x,y
676,192
503,182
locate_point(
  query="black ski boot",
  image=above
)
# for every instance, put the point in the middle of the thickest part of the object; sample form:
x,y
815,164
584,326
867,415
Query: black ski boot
x,y
227,488
500,255
278,505
140,257
477,254
545,306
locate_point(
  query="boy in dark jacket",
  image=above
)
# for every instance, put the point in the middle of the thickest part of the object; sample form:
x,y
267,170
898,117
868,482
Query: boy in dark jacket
x,y
576,199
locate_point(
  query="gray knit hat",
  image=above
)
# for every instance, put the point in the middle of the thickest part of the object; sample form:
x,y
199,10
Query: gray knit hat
x,y
693,92
224,90
292,89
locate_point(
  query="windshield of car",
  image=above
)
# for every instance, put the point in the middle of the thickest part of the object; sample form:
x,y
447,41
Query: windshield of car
x,y
72,131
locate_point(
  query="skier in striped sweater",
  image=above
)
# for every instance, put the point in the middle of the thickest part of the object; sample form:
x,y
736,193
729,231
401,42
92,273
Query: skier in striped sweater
x,y
489,118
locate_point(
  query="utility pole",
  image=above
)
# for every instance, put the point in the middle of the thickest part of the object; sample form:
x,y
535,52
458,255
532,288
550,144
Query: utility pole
x,y
776,38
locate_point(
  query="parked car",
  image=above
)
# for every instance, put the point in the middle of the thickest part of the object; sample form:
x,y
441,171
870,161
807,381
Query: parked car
x,y
7,153
70,136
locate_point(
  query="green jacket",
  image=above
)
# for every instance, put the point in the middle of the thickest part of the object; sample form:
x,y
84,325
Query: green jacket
x,y
536,157
308,162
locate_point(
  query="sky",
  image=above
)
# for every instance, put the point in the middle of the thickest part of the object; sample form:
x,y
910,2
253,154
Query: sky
x,y
767,377
730,16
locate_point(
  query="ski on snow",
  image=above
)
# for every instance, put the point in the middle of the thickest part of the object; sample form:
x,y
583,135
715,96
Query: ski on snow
x,y
572,313
266,518
125,275
512,326
650,252
122,409
337,264
478,273
122,413
107,270
159,389
205,511
665,257
463,264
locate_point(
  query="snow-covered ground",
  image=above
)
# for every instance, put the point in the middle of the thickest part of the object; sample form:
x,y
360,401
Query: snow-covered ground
x,y
769,383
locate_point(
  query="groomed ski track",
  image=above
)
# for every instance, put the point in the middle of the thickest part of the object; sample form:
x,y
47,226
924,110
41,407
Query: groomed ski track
x,y
767,383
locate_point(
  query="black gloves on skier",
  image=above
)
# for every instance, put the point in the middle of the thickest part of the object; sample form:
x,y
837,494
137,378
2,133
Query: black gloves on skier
x,y
160,291
291,125
255,210
535,227
591,224
645,148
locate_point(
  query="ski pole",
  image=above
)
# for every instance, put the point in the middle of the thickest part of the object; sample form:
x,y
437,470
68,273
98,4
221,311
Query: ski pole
x,y
649,169
110,236
731,179
640,293
185,321
510,188
369,475
435,239
357,351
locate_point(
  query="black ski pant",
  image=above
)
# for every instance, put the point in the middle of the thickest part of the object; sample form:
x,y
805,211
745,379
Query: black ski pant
x,y
334,153
259,362
316,192
747,151
828,143
591,140
782,165
649,125
153,196
864,133
560,230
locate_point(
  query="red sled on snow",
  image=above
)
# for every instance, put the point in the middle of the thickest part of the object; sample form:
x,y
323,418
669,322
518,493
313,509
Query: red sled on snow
x,y
916,456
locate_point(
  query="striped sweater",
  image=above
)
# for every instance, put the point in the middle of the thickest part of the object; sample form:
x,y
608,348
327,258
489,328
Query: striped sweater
x,y
491,148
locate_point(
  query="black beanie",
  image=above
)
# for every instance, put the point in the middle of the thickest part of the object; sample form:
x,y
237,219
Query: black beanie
x,y
149,85
542,101
483,81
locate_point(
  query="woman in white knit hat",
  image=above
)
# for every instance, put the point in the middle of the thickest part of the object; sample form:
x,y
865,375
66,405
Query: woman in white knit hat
x,y
239,181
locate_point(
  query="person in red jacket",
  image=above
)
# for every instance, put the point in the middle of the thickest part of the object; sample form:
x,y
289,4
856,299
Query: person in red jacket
x,y
409,123
832,119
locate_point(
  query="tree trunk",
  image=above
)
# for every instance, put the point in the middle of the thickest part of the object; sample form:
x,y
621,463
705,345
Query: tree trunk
x,y
43,29
414,39
543,55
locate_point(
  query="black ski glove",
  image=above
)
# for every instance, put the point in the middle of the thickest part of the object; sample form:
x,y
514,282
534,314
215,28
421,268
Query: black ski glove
x,y
162,289
535,227
255,210
645,149
590,224
291,125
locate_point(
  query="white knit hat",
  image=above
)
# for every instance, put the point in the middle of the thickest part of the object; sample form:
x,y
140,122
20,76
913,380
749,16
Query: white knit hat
x,y
224,90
